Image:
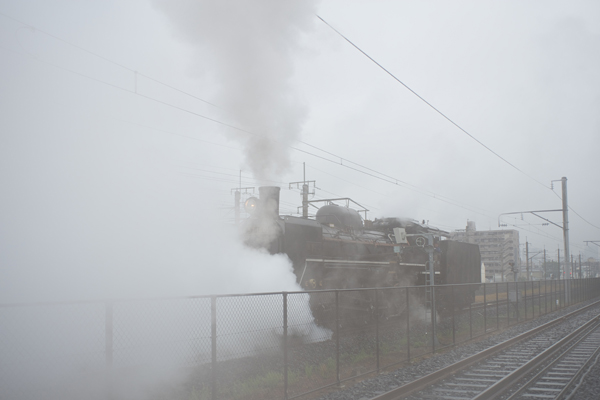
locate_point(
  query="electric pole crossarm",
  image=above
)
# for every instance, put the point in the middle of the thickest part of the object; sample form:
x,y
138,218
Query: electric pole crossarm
x,y
346,199
529,212
532,212
296,185
243,190
546,219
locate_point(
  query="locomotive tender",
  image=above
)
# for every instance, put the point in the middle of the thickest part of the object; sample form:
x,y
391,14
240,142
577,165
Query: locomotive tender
x,y
340,250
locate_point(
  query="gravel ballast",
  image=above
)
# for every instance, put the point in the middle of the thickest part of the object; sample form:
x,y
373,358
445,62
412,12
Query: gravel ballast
x,y
590,387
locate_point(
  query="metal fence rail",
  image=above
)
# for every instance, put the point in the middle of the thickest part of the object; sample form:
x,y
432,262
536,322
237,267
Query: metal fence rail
x,y
252,346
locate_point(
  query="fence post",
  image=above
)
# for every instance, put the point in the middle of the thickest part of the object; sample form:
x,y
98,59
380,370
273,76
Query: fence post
x,y
563,294
545,296
213,337
108,346
525,299
517,292
507,305
557,295
407,325
377,327
533,299
470,324
497,308
285,345
337,336
453,316
553,296
433,321
484,309
533,296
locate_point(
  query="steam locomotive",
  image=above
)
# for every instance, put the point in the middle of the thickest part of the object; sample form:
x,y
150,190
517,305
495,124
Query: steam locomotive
x,y
338,249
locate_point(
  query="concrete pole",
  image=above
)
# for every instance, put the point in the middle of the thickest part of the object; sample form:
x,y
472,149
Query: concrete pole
x,y
565,218
559,272
544,262
527,256
237,206
304,193
429,249
238,197
572,268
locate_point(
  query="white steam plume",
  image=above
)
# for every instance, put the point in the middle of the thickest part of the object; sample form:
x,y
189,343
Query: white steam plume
x,y
248,46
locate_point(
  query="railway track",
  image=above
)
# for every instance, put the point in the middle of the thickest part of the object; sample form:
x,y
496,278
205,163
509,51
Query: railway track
x,y
558,379
545,362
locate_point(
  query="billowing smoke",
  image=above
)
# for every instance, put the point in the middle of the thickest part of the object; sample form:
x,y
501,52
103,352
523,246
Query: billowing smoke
x,y
94,210
247,46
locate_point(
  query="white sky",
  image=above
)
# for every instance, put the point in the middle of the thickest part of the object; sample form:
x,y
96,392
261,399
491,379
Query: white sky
x,y
85,163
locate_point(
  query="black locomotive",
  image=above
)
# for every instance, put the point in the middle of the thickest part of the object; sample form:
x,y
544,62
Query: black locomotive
x,y
340,250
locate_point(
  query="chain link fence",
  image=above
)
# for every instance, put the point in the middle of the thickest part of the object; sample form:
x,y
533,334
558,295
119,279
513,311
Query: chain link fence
x,y
255,346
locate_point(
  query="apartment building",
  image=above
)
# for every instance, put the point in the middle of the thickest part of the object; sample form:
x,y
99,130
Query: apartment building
x,y
498,248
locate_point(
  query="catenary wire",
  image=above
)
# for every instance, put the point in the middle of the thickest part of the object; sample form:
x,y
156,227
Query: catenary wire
x,y
575,212
389,180
397,181
431,105
107,59
393,180
444,116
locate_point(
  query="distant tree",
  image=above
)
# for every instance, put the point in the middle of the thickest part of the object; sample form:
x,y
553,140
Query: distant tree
x,y
551,269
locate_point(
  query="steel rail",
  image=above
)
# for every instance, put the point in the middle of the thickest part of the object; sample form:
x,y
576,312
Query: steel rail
x,y
502,386
568,386
423,382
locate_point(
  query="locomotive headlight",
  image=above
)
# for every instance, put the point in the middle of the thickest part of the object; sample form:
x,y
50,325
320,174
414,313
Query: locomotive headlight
x,y
250,205
420,241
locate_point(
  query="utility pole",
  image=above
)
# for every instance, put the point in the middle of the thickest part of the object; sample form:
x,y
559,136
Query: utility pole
x,y
559,272
238,197
565,212
305,192
565,217
527,255
544,262
237,202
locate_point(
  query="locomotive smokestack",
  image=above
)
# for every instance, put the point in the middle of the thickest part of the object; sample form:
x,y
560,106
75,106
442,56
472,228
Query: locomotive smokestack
x,y
269,201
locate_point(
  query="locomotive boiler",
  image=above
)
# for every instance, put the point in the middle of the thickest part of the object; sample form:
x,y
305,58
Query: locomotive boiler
x,y
338,249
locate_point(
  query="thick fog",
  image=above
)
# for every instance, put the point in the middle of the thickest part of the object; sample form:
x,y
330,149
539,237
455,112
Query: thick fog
x,y
97,208
103,187
124,127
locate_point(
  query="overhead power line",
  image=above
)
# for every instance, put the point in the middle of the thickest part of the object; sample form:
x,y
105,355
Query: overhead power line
x,y
376,175
446,117
576,213
390,179
107,59
431,105
372,173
